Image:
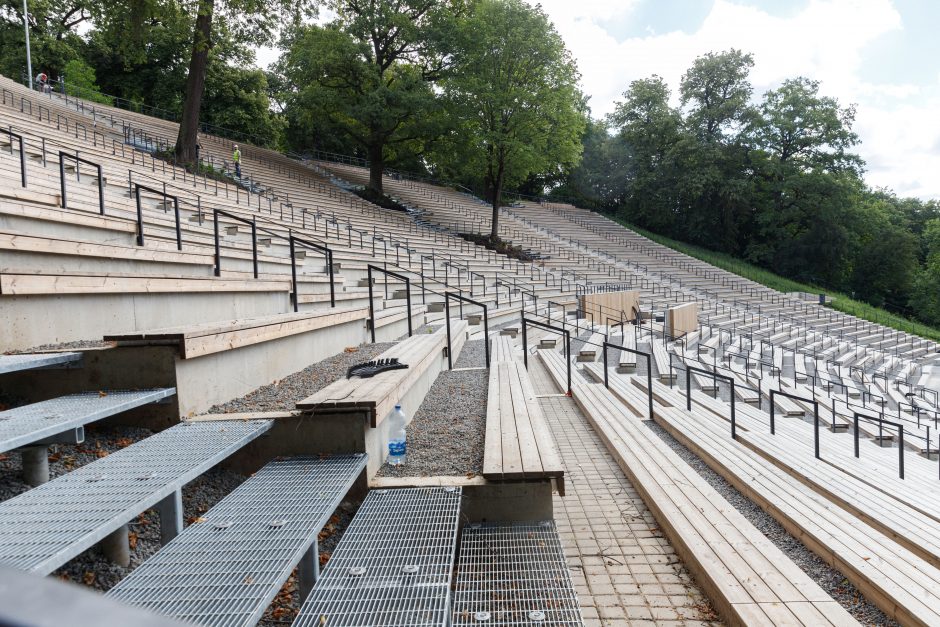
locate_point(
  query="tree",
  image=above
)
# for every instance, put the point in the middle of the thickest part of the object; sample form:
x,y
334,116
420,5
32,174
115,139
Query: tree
x,y
368,75
515,96
250,22
649,130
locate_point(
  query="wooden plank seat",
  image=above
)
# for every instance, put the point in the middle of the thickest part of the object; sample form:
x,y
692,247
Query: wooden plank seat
x,y
32,361
22,426
901,583
496,557
385,389
504,350
246,546
19,242
28,283
213,337
747,577
518,445
393,565
49,525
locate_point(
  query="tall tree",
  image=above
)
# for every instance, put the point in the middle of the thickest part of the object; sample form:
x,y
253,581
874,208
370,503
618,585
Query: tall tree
x,y
368,75
251,22
649,130
515,95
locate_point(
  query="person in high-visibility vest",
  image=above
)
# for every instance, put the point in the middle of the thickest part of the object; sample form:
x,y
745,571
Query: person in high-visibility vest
x,y
237,158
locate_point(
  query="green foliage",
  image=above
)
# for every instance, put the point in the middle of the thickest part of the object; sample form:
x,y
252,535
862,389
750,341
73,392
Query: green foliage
x,y
514,97
80,81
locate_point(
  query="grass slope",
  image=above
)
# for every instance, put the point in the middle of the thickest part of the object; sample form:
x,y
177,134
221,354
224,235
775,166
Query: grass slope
x,y
840,302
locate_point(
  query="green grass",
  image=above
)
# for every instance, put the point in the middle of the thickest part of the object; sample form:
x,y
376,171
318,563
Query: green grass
x,y
840,302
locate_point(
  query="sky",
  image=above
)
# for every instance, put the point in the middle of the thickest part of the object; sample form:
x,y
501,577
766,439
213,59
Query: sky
x,y
881,55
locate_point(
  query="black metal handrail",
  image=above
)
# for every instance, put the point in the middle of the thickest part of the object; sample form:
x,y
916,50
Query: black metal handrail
x,y
293,240
649,370
486,325
688,394
19,138
62,157
547,327
793,397
140,213
881,422
254,239
388,273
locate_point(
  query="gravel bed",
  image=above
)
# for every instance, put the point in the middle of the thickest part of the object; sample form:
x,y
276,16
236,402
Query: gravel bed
x,y
75,345
445,436
830,579
473,355
283,395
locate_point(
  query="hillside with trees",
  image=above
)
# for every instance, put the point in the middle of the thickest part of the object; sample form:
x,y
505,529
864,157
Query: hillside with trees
x,y
484,94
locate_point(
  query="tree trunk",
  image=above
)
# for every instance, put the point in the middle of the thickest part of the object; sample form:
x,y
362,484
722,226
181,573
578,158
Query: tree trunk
x,y
376,167
195,84
497,192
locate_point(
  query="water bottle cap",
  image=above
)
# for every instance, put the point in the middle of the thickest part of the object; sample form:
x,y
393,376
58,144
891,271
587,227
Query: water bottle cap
x,y
397,406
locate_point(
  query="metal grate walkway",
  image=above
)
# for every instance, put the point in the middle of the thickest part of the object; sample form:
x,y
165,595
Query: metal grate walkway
x,y
30,423
393,564
15,363
225,570
514,574
47,526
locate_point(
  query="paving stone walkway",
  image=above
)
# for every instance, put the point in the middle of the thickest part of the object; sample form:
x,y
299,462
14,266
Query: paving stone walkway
x,y
624,570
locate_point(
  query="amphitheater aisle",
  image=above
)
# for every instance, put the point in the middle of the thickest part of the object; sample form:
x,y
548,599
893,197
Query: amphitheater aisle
x,y
623,568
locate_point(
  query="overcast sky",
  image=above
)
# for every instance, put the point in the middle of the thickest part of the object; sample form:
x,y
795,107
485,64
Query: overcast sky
x,y
881,55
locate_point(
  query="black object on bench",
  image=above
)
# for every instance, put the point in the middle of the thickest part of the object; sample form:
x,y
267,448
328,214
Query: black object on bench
x,y
374,367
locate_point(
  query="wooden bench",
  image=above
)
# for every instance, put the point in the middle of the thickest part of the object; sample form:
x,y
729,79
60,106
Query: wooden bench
x,y
504,350
373,399
901,583
518,445
747,577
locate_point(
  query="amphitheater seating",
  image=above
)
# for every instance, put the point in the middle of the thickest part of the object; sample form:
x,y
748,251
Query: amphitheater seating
x,y
513,574
378,398
245,547
518,443
48,525
393,564
746,576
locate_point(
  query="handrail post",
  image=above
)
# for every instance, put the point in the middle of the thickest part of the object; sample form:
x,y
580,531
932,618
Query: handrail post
x,y
254,246
450,361
371,306
773,412
293,274
218,255
140,218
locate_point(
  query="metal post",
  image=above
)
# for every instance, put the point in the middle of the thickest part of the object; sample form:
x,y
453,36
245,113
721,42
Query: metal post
x,y
29,58
371,306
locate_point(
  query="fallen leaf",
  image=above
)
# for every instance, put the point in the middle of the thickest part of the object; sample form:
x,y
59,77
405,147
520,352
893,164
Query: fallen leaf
x,y
99,453
102,393
132,540
351,349
248,579
324,558
3,458
122,442
88,578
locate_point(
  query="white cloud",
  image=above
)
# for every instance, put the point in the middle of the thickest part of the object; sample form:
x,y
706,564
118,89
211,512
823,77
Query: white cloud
x,y
898,123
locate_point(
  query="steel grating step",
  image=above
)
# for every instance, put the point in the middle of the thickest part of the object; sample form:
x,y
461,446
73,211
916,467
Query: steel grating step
x,y
393,565
49,525
15,363
27,424
513,574
226,570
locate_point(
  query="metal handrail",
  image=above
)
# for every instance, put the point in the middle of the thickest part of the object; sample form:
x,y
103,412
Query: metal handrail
x,y
486,325
881,422
64,155
216,212
773,409
293,241
688,394
369,269
649,370
140,214
547,327
19,138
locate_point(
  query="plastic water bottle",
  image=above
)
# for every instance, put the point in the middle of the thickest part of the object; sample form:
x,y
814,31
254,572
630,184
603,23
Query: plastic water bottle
x,y
397,446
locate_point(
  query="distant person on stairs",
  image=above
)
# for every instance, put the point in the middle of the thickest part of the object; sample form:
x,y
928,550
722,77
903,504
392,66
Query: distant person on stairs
x,y
237,158
41,80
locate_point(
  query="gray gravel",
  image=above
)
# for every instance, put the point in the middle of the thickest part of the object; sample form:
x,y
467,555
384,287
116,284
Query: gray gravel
x,y
830,579
445,436
284,394
473,355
